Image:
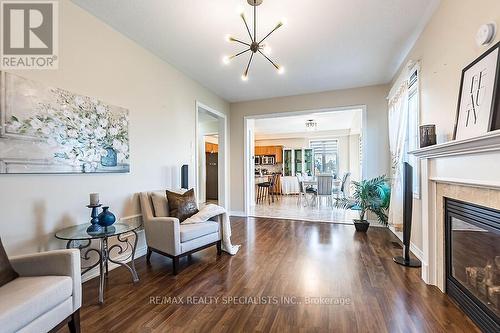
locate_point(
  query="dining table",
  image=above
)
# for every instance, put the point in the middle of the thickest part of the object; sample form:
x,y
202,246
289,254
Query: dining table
x,y
313,182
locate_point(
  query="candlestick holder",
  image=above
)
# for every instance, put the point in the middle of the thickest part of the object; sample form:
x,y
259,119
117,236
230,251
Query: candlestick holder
x,y
94,227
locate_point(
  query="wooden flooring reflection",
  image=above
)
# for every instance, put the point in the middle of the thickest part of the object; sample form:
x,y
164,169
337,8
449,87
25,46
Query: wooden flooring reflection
x,y
352,274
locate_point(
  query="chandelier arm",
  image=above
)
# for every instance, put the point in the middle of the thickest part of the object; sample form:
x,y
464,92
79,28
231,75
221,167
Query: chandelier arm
x,y
269,34
254,22
248,66
238,54
272,62
246,26
239,41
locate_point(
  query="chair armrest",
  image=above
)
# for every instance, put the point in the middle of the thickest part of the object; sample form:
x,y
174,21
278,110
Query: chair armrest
x,y
163,233
57,262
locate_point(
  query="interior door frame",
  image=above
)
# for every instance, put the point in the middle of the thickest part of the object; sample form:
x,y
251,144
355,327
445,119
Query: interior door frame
x,y
223,169
249,167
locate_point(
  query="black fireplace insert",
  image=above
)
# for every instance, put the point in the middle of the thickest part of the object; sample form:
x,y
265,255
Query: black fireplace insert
x,y
472,242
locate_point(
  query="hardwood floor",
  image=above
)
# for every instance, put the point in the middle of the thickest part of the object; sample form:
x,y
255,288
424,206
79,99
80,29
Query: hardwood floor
x,y
278,258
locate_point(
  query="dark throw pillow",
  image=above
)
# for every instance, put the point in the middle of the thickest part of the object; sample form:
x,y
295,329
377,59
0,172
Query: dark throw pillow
x,y
182,206
7,273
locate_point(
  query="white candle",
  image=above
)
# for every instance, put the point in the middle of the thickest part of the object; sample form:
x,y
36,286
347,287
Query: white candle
x,y
94,199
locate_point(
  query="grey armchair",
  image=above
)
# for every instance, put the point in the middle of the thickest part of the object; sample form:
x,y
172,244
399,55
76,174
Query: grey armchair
x,y
47,294
167,236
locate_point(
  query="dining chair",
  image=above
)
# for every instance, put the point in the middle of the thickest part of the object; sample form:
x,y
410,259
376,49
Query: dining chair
x,y
343,190
324,189
267,191
302,193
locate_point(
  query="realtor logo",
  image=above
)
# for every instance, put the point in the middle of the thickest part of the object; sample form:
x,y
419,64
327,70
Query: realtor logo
x,y
29,33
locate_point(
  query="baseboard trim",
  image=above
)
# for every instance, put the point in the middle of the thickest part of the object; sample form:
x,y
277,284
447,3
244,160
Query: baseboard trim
x,y
413,248
416,251
237,213
94,272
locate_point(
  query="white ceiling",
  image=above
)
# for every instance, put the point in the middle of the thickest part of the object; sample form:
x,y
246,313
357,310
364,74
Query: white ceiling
x,y
291,126
326,44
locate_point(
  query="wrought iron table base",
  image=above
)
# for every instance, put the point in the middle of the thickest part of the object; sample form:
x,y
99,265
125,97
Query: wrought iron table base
x,y
104,258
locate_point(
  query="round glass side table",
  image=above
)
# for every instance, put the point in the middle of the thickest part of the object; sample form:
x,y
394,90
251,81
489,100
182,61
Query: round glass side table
x,y
78,237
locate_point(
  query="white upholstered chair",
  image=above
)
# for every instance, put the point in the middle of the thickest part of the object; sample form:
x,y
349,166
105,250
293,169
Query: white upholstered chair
x,y
325,187
167,236
47,294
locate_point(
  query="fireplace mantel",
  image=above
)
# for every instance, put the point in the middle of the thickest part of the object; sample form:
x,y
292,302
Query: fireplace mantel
x,y
465,170
485,143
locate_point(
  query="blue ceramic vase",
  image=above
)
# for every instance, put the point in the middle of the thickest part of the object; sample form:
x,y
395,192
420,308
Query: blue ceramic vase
x,y
106,218
111,159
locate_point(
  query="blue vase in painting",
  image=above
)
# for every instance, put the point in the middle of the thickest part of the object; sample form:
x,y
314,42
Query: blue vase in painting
x,y
106,218
110,160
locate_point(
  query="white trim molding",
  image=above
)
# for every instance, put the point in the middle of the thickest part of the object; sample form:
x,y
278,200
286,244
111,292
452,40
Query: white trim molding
x,y
469,162
238,214
485,143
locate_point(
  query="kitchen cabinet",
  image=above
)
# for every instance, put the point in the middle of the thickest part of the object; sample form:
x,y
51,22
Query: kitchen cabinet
x,y
298,161
276,151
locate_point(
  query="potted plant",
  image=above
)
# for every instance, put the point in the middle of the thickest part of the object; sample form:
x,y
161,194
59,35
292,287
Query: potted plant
x,y
369,195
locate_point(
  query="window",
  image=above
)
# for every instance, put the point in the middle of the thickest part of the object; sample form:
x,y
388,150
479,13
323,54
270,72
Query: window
x,y
413,127
325,156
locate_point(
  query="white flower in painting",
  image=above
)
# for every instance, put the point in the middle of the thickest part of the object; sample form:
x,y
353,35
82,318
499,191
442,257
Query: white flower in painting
x,y
104,152
85,121
117,144
124,148
67,113
100,109
46,130
100,133
52,142
14,126
36,124
93,116
113,131
79,100
72,133
120,157
103,122
124,123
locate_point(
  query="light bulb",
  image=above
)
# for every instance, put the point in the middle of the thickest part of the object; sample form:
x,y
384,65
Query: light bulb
x,y
225,60
281,70
228,38
240,10
244,77
267,49
283,21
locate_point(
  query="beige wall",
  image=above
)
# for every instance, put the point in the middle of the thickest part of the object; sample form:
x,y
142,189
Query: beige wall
x,y
444,48
97,61
377,146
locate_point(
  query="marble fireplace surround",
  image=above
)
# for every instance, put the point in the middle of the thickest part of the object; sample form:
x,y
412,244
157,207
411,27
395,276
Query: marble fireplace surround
x,y
467,170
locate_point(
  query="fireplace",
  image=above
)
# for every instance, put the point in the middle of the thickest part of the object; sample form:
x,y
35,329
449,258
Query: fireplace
x,y
472,242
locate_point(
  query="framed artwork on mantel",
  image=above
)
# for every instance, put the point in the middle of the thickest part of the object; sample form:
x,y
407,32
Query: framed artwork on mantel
x,y
479,96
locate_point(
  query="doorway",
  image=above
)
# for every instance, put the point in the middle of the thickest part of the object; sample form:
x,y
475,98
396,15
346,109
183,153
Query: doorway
x,y
212,168
298,147
211,158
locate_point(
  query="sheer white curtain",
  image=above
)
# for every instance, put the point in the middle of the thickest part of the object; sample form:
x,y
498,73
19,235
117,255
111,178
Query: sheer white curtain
x,y
398,127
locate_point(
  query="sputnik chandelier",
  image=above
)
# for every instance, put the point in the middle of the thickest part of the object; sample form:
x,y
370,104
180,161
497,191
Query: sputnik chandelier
x,y
254,45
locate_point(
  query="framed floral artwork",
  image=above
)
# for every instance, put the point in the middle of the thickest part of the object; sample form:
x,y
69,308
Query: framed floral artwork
x,y
479,96
51,130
